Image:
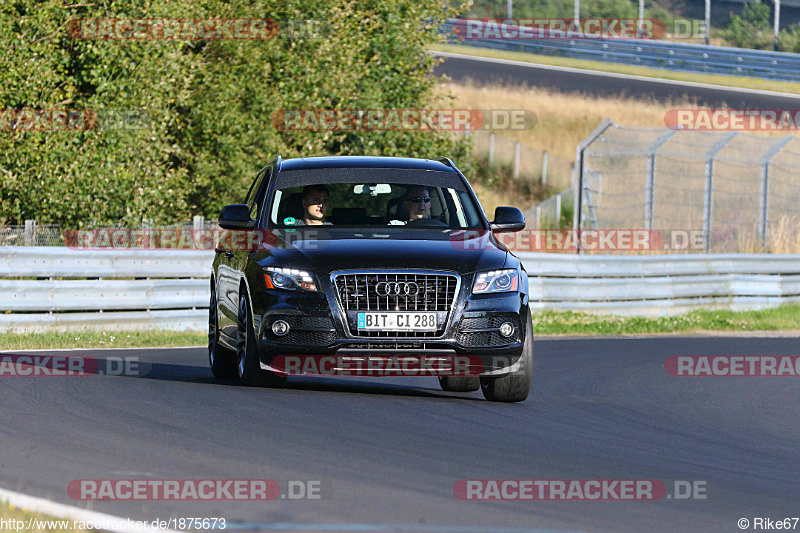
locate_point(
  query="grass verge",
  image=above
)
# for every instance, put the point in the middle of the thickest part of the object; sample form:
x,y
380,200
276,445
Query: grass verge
x,y
714,79
39,523
785,318
101,339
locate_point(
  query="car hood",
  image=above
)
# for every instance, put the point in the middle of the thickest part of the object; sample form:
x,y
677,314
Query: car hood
x,y
328,250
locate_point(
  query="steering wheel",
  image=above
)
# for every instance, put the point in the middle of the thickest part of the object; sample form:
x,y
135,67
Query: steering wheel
x,y
428,222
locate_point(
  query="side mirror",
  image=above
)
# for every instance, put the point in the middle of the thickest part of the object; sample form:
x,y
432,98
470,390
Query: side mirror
x,y
236,216
508,219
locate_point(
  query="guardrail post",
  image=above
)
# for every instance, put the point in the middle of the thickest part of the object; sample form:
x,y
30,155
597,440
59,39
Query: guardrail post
x,y
709,186
649,191
764,207
516,160
544,168
491,149
30,229
579,174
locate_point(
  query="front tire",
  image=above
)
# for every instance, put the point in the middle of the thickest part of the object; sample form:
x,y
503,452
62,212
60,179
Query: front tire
x,y
221,359
513,387
248,366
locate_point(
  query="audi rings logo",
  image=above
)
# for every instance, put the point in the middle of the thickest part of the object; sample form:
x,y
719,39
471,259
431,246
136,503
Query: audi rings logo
x,y
397,288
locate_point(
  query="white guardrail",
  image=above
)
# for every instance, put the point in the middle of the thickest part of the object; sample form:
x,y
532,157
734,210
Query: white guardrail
x,y
127,289
168,289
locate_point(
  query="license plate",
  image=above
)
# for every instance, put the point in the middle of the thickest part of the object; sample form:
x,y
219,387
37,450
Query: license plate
x,y
397,321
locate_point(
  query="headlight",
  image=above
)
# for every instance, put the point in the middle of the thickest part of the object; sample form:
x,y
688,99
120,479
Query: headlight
x,y
506,280
289,279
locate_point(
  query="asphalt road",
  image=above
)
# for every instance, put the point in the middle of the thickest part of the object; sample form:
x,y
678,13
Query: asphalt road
x,y
489,72
388,451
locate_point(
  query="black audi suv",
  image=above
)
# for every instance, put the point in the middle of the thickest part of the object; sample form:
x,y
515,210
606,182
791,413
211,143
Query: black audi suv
x,y
370,257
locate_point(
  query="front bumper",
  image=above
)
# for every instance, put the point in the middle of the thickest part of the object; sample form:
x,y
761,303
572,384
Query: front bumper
x,y
318,327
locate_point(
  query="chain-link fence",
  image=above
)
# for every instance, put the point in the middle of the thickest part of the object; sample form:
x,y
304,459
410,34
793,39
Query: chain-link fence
x,y
739,191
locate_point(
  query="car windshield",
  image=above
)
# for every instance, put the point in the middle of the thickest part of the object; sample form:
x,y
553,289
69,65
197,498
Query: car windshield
x,y
379,198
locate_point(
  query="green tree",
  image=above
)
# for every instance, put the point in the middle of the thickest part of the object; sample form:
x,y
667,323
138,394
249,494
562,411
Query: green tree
x,y
203,107
752,29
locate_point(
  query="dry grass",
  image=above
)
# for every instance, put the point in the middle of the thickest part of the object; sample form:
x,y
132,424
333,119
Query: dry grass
x,y
783,237
564,120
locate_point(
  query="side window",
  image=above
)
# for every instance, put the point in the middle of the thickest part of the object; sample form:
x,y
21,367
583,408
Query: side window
x,y
255,196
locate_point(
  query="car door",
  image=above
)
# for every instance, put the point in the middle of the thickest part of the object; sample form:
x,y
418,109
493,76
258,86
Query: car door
x,y
231,261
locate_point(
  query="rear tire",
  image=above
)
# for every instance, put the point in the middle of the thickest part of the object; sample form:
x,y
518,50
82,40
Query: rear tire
x,y
513,387
221,359
248,366
459,383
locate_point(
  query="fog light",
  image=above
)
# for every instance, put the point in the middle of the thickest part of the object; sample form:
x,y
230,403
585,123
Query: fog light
x,y
280,328
506,329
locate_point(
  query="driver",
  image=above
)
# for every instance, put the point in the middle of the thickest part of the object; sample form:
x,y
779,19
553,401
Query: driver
x,y
418,202
315,205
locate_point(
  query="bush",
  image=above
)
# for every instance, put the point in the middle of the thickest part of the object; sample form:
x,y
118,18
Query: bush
x,y
752,29
789,39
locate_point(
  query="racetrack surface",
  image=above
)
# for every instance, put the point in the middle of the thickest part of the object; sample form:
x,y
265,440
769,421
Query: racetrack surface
x,y
391,449
485,71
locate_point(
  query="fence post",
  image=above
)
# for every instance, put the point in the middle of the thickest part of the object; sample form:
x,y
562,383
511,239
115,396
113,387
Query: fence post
x,y
579,168
709,186
491,149
649,192
538,217
466,130
198,222
558,210
544,168
30,229
516,160
764,207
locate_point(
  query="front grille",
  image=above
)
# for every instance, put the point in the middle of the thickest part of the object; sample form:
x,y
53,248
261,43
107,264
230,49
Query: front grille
x,y
425,292
483,338
396,291
308,338
493,321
